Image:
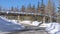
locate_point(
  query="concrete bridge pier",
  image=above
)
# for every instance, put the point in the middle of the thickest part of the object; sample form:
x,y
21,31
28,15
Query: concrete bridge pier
x,y
44,19
50,19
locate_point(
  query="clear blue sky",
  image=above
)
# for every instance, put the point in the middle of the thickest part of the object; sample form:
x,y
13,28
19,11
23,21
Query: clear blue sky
x,y
19,3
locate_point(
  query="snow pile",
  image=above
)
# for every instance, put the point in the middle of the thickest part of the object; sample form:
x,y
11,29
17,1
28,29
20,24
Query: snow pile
x,y
6,26
14,21
53,28
4,18
26,22
36,23
43,25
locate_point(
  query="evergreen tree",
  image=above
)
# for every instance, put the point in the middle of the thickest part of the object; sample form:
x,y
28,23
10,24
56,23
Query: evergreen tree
x,y
38,8
16,9
23,8
0,8
38,4
42,8
59,9
12,8
50,7
29,8
58,16
33,9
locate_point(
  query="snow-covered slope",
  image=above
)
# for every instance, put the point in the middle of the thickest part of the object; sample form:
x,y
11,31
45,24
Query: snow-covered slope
x,y
7,26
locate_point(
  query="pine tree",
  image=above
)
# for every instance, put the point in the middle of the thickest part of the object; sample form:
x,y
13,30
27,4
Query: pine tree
x,y
50,7
23,8
0,8
58,16
33,9
59,9
42,8
38,8
12,8
16,9
59,6
29,8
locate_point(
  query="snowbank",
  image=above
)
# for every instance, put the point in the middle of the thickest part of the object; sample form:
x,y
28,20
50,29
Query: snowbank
x,y
15,22
53,28
12,21
44,25
36,23
26,22
7,26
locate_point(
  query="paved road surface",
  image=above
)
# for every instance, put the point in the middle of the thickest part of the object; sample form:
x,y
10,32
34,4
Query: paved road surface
x,y
31,32
34,31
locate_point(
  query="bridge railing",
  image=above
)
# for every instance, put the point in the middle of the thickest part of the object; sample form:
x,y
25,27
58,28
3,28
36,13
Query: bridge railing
x,y
21,12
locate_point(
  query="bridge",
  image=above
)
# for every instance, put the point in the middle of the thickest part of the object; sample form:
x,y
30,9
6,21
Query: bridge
x,y
21,13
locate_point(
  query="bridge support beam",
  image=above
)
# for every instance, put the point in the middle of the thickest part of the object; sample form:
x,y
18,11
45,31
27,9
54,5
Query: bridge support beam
x,y
44,19
18,18
50,19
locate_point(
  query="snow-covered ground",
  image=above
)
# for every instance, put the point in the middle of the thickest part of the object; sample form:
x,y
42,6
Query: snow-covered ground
x,y
26,22
36,23
33,23
12,25
8,26
53,28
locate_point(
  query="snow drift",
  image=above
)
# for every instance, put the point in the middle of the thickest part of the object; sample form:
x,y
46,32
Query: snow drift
x,y
7,26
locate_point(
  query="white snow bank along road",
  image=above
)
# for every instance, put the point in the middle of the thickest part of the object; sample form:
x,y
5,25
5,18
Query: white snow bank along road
x,y
53,28
6,26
